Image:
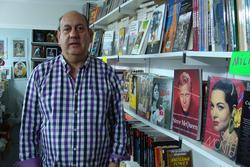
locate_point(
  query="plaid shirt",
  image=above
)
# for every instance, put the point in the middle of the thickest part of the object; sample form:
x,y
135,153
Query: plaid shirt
x,y
73,122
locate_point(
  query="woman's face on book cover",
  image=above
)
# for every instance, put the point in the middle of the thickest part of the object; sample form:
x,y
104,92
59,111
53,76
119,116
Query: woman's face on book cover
x,y
220,112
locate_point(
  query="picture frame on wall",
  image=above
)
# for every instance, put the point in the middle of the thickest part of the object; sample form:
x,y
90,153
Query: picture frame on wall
x,y
3,48
20,69
5,72
51,52
19,47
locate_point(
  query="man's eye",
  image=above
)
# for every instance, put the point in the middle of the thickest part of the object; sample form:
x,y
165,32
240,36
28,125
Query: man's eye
x,y
66,29
80,28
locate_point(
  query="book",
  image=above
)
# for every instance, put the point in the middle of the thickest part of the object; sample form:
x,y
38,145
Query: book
x,y
133,31
170,26
186,113
177,158
183,27
161,101
108,39
155,30
243,154
145,85
224,106
140,39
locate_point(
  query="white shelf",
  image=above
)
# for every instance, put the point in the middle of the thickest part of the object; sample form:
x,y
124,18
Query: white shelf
x,y
45,43
209,54
126,9
38,59
192,144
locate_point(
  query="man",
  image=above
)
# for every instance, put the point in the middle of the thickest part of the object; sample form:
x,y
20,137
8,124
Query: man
x,y
185,104
72,109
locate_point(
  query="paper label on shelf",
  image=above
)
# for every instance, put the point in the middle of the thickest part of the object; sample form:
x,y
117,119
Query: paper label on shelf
x,y
105,59
240,63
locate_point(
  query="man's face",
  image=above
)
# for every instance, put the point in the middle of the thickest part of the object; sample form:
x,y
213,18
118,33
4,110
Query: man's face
x,y
74,36
185,97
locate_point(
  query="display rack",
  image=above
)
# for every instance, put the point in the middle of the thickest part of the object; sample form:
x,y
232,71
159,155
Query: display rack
x,y
212,62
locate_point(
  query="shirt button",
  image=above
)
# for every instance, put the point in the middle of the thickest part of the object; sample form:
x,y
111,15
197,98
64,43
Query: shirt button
x,y
76,112
74,149
75,130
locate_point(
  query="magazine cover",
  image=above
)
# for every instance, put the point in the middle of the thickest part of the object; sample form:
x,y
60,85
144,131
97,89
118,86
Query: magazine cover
x,y
187,112
108,39
177,158
223,115
243,154
161,101
155,30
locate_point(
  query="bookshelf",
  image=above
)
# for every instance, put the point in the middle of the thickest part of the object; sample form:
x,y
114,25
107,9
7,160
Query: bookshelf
x,y
126,9
44,46
196,146
212,63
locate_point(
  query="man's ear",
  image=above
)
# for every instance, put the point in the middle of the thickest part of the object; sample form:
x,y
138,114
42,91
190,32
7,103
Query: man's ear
x,y
91,34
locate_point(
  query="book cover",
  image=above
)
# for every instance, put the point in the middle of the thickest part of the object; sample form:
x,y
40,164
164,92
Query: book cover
x,y
140,39
186,116
145,85
107,47
220,26
183,27
161,101
177,158
155,30
133,31
243,154
170,27
223,115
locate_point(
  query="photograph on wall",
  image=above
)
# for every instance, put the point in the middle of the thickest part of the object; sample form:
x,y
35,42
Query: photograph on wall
x,y
19,48
51,52
3,48
20,69
5,72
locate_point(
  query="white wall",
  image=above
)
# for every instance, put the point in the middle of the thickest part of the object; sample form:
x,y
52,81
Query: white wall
x,y
17,19
35,14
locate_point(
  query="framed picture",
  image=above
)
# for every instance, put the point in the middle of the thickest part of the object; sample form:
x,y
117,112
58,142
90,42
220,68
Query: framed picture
x,y
20,69
44,36
38,51
3,48
51,52
19,48
5,72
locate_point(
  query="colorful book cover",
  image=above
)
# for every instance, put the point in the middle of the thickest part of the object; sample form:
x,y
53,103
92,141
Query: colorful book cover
x,y
170,30
143,32
186,117
161,101
107,46
155,30
184,26
243,154
133,31
220,26
177,158
223,116
183,32
145,85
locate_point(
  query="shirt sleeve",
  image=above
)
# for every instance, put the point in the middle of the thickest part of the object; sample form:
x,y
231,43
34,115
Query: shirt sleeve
x,y
119,151
30,124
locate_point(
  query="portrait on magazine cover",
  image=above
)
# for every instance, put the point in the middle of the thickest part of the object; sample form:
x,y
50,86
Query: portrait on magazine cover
x,y
224,107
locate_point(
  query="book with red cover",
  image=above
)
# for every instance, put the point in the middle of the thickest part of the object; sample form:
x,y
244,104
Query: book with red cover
x,y
223,115
186,115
